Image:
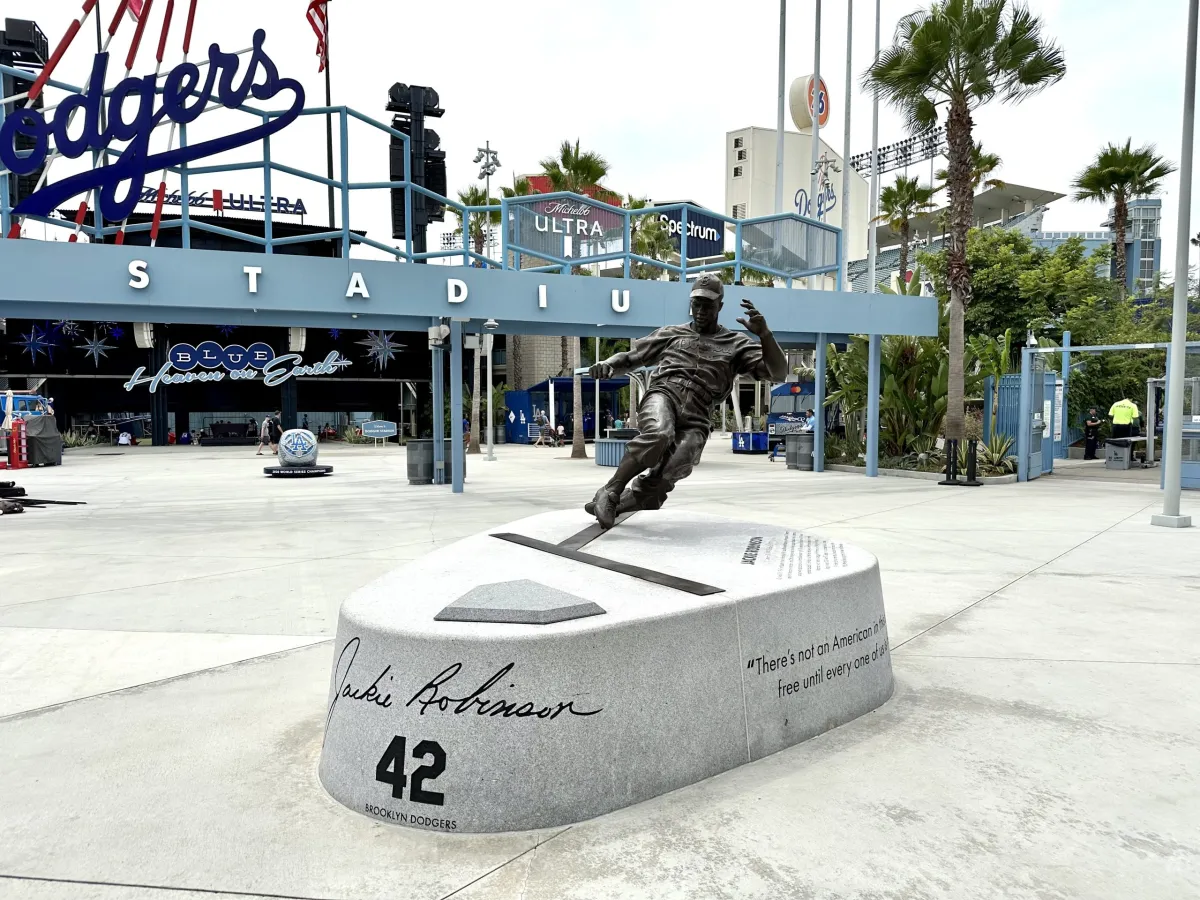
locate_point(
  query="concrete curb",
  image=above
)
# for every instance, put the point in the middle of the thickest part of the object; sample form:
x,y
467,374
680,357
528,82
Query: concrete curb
x,y
921,476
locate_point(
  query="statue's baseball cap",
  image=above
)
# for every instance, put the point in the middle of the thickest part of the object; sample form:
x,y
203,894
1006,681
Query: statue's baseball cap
x,y
709,287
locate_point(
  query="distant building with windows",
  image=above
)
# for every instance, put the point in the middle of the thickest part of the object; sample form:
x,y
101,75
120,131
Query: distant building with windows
x,y
1023,209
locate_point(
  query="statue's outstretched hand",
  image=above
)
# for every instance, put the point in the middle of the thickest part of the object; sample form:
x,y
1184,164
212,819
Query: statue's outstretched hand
x,y
753,321
601,370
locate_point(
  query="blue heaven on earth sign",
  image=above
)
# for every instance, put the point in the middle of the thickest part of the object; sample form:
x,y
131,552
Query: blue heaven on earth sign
x,y
183,83
236,362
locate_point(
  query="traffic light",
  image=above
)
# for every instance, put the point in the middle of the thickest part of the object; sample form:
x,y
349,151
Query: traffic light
x,y
22,45
413,103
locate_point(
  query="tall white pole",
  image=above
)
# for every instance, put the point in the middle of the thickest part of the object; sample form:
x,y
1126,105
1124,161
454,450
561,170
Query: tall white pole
x,y
846,170
1173,434
874,347
490,426
814,181
487,201
779,112
874,204
596,414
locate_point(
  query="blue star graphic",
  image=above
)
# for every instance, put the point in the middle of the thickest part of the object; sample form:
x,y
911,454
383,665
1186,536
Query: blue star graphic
x,y
380,347
96,348
34,343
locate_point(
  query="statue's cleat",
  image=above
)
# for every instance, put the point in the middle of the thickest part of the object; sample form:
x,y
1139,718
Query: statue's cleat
x,y
604,507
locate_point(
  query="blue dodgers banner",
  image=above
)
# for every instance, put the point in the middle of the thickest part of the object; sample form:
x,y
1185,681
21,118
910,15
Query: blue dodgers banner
x,y
135,161
239,364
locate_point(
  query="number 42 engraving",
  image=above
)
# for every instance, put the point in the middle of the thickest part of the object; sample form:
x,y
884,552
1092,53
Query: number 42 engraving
x,y
390,770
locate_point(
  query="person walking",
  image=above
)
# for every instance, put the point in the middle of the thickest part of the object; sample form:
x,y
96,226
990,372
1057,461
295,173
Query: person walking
x,y
276,431
304,424
264,434
1091,433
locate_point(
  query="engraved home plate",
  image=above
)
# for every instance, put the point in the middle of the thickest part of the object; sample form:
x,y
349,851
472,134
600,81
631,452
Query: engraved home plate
x,y
469,726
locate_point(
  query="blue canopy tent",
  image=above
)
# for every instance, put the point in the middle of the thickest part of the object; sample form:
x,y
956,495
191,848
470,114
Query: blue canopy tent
x,y
555,397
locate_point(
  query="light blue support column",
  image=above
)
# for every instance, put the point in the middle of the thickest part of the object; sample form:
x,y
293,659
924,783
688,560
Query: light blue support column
x,y
268,200
186,214
1025,397
683,243
1066,377
873,357
457,451
819,408
1150,419
439,405
628,247
504,233
737,251
345,144
841,267
989,385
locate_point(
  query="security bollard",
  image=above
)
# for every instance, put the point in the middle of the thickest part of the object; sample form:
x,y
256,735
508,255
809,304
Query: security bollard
x,y
972,464
951,463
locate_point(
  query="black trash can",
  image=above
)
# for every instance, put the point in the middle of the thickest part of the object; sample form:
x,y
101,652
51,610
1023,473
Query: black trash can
x,y
799,451
420,461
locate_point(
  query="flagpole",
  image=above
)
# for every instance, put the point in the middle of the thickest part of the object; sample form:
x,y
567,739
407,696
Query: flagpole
x,y
328,120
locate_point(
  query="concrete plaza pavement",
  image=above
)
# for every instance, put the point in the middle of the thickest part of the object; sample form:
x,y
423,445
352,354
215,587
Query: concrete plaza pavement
x,y
165,655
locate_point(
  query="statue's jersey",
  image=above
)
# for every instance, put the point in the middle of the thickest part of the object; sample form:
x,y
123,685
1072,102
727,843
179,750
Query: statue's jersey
x,y
698,369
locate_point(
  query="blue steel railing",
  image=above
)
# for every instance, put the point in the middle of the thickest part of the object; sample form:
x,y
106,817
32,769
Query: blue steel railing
x,y
786,246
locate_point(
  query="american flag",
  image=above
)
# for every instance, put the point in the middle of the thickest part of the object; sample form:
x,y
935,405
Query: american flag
x,y
317,18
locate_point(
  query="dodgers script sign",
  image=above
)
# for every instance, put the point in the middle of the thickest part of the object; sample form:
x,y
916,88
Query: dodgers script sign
x,y
132,118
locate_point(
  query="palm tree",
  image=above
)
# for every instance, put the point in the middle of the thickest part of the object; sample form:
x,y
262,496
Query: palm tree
x,y
477,223
995,357
521,188
982,165
576,170
1116,175
516,343
898,204
960,54
652,240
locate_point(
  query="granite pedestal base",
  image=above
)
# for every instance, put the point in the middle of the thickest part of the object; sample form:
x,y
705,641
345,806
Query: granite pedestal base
x,y
297,471
495,685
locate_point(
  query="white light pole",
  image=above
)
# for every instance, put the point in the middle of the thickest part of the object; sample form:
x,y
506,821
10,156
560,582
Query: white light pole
x,y
1173,432
846,167
491,162
487,342
814,183
873,343
779,116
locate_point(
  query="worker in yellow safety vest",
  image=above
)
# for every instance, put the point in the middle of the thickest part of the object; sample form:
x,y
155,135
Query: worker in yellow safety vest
x,y
1122,413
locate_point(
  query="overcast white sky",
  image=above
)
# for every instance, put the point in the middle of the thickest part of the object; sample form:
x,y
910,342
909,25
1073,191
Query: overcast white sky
x,y
654,85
